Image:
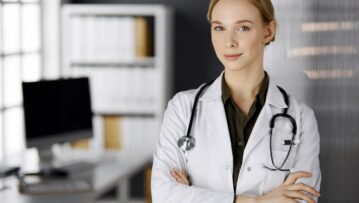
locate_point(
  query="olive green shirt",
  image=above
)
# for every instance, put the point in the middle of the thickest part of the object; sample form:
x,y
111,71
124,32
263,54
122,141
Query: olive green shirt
x,y
239,125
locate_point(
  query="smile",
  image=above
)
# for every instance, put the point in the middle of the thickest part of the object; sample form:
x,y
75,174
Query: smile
x,y
232,57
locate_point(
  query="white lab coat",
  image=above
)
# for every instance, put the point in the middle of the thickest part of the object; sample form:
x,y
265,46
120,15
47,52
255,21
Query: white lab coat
x,y
210,163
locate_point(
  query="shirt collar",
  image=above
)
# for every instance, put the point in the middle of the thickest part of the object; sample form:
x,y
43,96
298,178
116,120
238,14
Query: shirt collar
x,y
225,91
273,97
261,96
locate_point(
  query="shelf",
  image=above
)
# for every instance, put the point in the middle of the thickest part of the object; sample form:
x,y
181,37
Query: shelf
x,y
140,62
115,9
126,114
126,110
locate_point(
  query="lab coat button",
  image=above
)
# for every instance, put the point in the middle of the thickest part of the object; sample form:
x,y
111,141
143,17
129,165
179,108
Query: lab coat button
x,y
249,169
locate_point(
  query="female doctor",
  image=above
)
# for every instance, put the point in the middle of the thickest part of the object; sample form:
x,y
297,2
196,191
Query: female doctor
x,y
240,138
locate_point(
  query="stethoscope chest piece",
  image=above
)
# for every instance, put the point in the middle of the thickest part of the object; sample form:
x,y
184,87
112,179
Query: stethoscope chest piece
x,y
186,143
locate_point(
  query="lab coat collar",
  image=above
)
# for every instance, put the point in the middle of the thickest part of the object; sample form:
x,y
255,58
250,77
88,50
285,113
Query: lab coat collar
x,y
274,96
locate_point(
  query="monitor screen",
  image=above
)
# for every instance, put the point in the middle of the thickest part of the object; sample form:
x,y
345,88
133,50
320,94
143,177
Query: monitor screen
x,y
57,111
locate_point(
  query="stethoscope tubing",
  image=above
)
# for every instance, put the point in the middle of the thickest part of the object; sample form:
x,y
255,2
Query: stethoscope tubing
x,y
188,142
195,107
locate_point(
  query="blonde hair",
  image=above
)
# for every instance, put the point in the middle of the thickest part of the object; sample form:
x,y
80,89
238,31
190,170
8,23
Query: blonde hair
x,y
265,7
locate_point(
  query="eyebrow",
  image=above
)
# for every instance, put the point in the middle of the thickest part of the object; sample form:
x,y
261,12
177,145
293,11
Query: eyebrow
x,y
237,22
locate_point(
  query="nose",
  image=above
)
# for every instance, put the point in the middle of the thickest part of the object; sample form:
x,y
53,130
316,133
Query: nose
x,y
231,41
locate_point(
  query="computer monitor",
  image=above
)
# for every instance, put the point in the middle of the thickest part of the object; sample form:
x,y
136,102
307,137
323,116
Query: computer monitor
x,y
56,111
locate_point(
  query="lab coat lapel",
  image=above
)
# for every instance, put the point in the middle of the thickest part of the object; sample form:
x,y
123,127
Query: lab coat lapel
x,y
216,117
274,100
260,129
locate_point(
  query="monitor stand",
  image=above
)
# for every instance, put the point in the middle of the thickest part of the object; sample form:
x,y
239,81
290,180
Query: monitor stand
x,y
61,168
47,170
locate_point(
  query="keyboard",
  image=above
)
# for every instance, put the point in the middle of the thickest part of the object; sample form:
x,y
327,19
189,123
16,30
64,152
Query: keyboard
x,y
56,186
80,167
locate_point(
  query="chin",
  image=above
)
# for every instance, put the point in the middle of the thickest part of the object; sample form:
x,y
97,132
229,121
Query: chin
x,y
233,67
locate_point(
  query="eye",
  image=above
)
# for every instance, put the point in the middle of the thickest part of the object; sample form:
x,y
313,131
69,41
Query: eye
x,y
218,28
243,28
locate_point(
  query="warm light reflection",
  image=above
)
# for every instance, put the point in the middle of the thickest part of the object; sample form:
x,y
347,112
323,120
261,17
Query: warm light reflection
x,y
329,26
325,50
329,74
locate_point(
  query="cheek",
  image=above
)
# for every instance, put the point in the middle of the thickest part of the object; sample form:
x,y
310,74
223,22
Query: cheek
x,y
217,43
253,42
215,40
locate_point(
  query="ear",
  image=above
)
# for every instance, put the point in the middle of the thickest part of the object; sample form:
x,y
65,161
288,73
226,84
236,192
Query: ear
x,y
269,32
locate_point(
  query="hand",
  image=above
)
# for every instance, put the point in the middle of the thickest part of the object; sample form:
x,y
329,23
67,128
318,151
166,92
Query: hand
x,y
180,176
289,191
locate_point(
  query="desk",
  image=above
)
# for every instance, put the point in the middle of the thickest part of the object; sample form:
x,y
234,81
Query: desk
x,y
111,172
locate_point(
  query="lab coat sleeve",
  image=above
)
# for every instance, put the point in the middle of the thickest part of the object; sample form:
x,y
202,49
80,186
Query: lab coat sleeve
x,y
164,187
307,158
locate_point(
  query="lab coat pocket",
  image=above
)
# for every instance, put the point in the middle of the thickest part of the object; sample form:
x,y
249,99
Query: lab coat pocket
x,y
274,178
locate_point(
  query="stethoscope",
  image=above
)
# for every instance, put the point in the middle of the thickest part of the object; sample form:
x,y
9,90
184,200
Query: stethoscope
x,y
188,142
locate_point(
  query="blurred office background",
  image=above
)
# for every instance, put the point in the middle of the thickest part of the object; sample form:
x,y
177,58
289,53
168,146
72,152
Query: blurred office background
x,y
315,57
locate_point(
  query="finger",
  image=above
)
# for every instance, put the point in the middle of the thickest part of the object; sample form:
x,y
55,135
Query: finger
x,y
179,178
181,172
182,176
188,177
303,187
298,195
292,178
174,174
175,170
290,200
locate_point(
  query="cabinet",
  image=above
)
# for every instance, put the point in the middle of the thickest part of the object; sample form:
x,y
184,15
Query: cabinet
x,y
100,41
126,51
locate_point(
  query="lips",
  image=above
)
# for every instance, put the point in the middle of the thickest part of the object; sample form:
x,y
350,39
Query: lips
x,y
232,56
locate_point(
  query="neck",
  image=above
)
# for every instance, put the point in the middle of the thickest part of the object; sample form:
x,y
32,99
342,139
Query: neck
x,y
244,84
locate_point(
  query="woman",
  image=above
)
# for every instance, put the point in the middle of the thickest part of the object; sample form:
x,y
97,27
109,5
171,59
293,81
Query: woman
x,y
237,155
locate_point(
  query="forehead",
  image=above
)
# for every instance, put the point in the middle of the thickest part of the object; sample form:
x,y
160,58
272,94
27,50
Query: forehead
x,y
230,11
